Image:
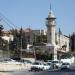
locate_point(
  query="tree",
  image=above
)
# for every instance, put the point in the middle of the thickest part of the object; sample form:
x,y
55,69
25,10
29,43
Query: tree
x,y
1,33
14,32
40,39
1,28
72,42
18,43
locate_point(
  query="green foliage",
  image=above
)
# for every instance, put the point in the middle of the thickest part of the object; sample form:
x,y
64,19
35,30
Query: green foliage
x,y
1,28
72,42
44,56
3,44
40,39
18,42
14,32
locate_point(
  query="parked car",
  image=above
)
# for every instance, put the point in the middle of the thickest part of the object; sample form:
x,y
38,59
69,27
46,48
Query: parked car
x,y
50,64
47,66
50,61
56,63
37,66
65,65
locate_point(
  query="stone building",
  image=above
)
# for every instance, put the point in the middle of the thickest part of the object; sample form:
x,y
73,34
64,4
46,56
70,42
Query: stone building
x,y
57,42
31,34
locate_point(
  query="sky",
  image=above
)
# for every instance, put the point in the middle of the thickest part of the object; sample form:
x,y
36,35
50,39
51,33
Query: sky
x,y
32,13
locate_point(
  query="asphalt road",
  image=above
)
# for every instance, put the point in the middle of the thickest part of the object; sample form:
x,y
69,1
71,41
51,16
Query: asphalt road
x,y
43,73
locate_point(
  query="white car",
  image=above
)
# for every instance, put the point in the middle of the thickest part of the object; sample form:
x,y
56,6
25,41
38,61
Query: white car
x,y
47,66
50,61
56,63
37,66
65,65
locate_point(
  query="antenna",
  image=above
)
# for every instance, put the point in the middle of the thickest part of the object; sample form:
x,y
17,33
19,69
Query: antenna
x,y
50,7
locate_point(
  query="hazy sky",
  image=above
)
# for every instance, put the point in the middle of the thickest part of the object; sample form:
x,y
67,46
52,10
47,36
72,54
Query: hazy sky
x,y
32,13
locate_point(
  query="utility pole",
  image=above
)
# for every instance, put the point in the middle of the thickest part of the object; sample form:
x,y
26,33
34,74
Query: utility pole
x,y
21,47
21,43
8,50
59,41
34,52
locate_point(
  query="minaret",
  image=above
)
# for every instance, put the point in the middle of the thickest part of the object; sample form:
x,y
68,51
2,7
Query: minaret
x,y
50,24
50,27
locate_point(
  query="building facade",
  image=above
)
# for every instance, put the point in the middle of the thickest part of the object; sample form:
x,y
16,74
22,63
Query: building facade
x,y
58,43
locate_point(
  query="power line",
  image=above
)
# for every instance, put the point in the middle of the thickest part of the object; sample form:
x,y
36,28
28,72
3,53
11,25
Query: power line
x,y
8,24
8,21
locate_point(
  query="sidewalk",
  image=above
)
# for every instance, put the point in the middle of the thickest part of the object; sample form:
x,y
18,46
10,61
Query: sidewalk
x,y
3,73
13,67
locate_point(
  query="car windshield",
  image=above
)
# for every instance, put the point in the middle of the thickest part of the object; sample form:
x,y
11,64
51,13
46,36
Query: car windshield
x,y
45,64
65,64
54,61
36,63
48,63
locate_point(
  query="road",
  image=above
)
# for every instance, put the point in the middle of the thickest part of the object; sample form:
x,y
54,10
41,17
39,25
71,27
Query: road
x,y
43,73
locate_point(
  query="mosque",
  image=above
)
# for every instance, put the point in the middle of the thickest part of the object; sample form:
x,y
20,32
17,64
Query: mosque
x,y
57,42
